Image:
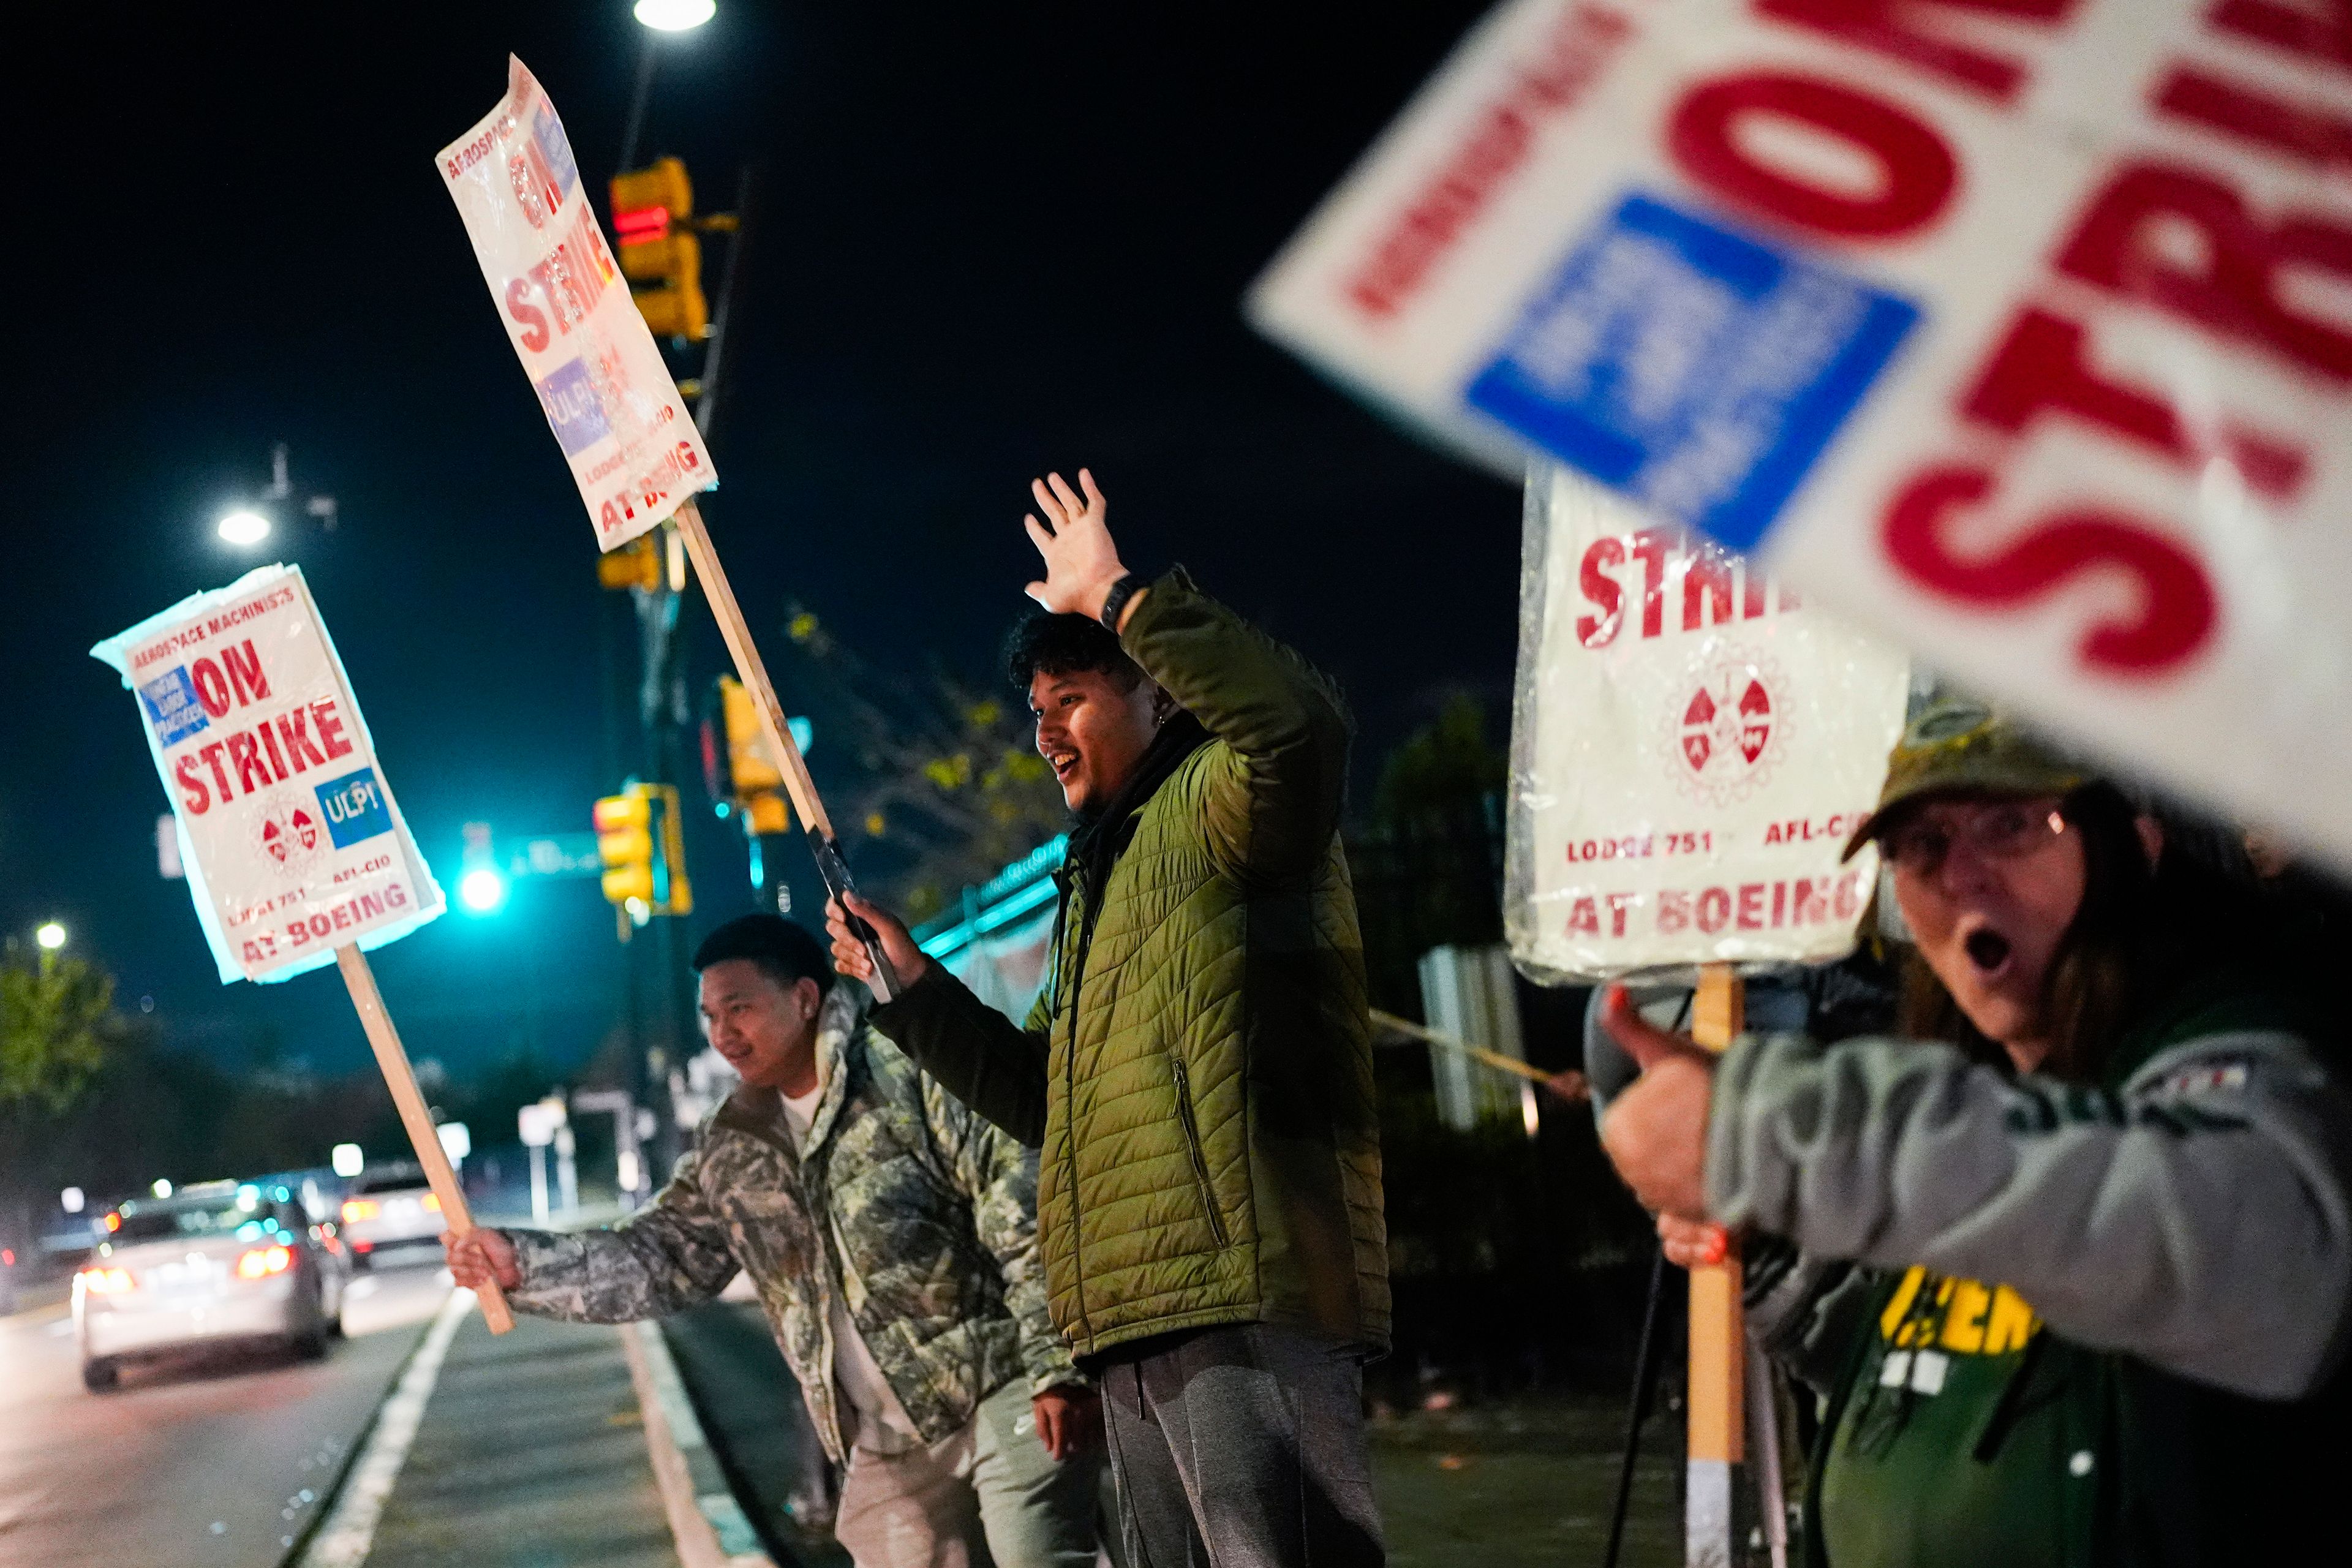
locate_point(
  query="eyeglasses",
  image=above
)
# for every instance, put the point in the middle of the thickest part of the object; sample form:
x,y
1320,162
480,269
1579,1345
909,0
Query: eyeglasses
x,y
1992,830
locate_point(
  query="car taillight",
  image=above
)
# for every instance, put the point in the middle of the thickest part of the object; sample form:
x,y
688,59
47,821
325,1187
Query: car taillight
x,y
263,1261
433,1202
107,1281
359,1209
8,1257
114,1222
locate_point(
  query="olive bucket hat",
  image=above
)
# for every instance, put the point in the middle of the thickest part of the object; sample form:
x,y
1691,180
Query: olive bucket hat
x,y
1959,746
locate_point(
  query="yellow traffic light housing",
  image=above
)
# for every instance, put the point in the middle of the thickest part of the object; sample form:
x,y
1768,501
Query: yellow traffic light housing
x,y
767,813
652,215
636,564
641,839
749,768
624,843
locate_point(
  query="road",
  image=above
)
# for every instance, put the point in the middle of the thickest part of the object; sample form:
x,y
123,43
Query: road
x,y
211,1458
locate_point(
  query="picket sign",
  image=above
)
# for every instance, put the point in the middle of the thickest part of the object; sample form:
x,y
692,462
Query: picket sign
x,y
636,457
1692,747
2020,334
295,851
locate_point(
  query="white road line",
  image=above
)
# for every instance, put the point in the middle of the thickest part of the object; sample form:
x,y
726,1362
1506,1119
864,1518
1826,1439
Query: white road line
x,y
348,1533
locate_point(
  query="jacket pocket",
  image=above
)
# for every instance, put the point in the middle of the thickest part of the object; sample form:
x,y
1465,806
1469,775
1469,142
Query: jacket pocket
x,y
1192,1148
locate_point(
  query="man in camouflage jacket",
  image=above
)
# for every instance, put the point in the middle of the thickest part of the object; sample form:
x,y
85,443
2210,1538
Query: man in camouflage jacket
x,y
891,1235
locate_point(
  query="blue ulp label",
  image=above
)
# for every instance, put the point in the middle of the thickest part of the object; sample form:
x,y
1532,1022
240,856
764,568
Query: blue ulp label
x,y
574,410
1698,369
355,808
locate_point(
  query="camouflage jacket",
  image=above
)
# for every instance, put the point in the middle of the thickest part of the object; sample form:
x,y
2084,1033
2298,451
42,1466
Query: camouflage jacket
x,y
933,1238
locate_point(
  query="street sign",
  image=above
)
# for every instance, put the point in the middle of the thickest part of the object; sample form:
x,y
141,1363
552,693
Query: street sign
x,y
2027,342
633,453
555,855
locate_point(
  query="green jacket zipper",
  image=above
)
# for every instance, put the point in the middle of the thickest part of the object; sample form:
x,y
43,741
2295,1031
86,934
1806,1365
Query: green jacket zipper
x,y
1192,1147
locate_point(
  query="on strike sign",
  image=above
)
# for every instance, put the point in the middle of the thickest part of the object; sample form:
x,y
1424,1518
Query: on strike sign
x,y
2022,330
292,842
609,398
1693,746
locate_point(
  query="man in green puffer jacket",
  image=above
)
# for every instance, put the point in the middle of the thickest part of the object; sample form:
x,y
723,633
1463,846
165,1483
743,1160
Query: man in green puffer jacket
x,y
1198,1073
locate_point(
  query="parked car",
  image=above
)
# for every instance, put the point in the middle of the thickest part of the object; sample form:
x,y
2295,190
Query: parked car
x,y
390,1209
223,1261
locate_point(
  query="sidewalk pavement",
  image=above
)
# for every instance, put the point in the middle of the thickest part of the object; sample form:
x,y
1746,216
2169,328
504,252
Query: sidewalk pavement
x,y
542,1447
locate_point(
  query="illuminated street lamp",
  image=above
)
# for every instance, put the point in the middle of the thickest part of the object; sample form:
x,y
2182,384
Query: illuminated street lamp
x,y
244,528
52,936
675,16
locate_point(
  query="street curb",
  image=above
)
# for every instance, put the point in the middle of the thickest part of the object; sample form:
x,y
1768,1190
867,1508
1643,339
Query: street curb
x,y
342,1531
709,1524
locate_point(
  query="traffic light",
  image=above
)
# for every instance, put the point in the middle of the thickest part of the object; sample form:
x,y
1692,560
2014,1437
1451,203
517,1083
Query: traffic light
x,y
749,768
636,564
624,842
652,212
641,839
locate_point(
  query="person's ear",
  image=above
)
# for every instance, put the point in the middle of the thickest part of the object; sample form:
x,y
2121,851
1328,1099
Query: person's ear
x,y
2151,837
1162,704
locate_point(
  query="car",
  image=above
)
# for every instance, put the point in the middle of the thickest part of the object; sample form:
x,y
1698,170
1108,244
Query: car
x,y
388,1209
224,1261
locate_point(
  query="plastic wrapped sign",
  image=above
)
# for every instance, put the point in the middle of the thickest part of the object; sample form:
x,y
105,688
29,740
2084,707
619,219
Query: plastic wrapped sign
x,y
287,832
1691,746
2021,332
609,398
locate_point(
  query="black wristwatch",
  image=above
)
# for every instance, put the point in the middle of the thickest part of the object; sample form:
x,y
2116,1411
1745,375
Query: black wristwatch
x,y
1126,588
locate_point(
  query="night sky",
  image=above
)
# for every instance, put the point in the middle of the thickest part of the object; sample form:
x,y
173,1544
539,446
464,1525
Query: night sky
x,y
988,241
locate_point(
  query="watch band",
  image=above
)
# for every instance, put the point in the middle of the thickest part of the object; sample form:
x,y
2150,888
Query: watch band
x,y
1126,588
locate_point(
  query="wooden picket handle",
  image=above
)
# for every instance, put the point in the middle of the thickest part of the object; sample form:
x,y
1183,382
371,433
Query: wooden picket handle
x,y
1714,1528
1444,1041
415,1115
753,673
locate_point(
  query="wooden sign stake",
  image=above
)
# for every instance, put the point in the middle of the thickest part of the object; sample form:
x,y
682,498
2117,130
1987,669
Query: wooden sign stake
x,y
753,673
415,1115
1714,1522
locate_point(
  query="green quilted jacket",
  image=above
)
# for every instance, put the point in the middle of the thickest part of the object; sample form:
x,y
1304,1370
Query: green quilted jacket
x,y
1198,1074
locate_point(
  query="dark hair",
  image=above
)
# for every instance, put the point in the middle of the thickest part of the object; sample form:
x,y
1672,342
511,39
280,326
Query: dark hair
x,y
784,953
1065,644
2138,931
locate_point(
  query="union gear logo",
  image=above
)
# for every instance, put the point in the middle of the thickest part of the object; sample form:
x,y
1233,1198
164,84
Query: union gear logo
x,y
1728,726
288,835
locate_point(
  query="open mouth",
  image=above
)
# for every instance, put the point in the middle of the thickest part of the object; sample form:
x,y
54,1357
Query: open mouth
x,y
1065,766
1987,949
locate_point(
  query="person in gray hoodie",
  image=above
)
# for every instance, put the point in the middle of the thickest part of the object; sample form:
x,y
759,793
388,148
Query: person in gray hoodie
x,y
2070,1263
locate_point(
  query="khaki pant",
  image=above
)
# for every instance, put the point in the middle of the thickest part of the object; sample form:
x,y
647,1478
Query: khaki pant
x,y
987,1494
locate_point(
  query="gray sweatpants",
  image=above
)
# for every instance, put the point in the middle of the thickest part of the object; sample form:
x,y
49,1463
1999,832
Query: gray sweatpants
x,y
1241,1448
987,1494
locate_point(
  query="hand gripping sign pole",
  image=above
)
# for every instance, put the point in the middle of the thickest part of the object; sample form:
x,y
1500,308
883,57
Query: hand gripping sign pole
x,y
636,457
295,851
1691,746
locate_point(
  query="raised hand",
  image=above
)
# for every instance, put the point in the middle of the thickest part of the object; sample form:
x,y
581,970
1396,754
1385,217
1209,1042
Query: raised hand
x,y
1656,1132
1082,565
